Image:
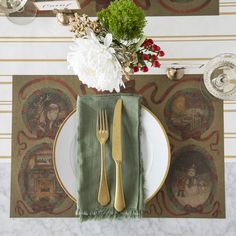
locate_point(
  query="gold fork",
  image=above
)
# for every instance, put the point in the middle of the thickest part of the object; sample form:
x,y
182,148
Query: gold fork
x,y
102,132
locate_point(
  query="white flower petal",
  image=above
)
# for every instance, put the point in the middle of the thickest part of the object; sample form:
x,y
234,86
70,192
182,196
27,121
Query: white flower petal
x,y
90,33
111,50
108,40
95,64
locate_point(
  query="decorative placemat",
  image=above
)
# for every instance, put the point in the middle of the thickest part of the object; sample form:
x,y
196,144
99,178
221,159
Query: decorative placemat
x,y
150,7
40,104
194,123
159,7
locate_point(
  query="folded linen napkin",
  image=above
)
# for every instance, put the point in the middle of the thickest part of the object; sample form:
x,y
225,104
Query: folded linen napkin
x,y
88,157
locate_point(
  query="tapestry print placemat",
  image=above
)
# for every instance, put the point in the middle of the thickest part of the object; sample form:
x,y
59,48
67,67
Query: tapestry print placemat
x,y
150,7
159,7
40,104
194,123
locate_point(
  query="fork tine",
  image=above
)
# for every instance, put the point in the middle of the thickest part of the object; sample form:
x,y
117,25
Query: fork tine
x,y
97,126
100,120
106,121
103,121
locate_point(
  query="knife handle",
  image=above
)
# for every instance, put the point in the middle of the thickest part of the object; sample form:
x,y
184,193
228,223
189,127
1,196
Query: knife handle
x,y
119,194
103,193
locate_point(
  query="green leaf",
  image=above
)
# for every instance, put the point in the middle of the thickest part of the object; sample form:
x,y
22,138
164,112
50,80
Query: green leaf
x,y
140,42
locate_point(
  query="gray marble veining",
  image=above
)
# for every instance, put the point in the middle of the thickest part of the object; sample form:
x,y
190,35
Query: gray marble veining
x,y
160,227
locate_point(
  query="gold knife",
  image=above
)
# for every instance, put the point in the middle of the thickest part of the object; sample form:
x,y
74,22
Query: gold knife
x,y
119,203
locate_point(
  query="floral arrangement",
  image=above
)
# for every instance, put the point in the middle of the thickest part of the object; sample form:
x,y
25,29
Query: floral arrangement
x,y
112,46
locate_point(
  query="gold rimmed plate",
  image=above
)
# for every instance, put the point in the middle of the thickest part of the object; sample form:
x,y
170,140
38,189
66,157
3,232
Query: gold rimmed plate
x,y
155,152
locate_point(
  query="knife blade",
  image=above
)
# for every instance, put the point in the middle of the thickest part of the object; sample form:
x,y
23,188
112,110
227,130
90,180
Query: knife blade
x,y
116,132
119,203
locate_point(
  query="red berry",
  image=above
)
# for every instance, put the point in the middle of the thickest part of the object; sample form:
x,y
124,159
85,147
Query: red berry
x,y
145,69
154,57
161,53
156,64
155,48
146,43
150,41
145,57
135,69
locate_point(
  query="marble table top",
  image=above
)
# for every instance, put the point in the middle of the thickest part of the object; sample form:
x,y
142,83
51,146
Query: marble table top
x,y
160,227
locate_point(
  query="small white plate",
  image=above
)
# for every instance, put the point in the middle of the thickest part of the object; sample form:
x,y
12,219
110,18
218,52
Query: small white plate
x,y
155,152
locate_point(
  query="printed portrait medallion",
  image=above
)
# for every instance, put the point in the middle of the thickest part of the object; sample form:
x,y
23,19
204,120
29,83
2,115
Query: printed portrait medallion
x,y
192,181
184,6
44,111
188,113
38,183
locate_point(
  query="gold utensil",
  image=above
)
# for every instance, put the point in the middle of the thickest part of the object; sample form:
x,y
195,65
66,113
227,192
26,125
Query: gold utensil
x,y
102,132
119,203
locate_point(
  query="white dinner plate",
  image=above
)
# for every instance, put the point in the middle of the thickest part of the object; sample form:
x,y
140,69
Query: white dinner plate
x,y
155,152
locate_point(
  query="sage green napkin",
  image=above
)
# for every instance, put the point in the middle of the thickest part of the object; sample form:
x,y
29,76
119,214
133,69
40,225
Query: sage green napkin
x,y
88,157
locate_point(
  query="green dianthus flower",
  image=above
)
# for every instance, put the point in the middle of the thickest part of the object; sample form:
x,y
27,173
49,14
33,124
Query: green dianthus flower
x,y
123,19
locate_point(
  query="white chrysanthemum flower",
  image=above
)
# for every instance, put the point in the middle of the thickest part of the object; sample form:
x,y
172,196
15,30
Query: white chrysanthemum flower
x,y
95,63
